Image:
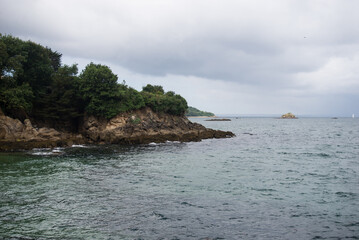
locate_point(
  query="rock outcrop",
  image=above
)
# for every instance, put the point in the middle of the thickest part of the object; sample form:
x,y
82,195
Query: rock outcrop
x,y
136,127
288,116
15,135
145,126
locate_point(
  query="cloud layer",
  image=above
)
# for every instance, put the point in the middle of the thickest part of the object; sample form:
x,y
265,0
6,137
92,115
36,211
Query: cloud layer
x,y
224,56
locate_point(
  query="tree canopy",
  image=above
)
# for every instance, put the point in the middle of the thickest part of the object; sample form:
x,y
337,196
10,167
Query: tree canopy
x,y
34,83
156,98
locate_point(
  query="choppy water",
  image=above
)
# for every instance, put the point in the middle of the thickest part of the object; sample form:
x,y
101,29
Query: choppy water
x,y
278,179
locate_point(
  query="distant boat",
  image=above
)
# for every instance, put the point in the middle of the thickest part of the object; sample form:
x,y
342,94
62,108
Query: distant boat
x,y
353,115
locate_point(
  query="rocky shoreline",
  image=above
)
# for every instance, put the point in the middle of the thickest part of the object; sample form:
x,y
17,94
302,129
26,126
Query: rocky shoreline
x,y
137,127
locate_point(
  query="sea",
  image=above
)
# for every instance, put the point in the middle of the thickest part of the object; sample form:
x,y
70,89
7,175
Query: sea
x,y
277,179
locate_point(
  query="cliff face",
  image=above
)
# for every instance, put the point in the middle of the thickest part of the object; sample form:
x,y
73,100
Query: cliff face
x,y
140,126
145,126
16,135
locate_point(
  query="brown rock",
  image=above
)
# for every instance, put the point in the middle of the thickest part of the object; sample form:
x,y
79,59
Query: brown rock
x,y
136,127
145,126
288,116
15,135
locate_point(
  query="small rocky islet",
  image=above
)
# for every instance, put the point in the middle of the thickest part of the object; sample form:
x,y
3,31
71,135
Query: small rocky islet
x,y
288,116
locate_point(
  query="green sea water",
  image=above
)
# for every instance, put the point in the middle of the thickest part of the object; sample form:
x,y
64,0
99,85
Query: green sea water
x,y
277,179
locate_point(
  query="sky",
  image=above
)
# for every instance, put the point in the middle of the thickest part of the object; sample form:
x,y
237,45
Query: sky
x,y
227,57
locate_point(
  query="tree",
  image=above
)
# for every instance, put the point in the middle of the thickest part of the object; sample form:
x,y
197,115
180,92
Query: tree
x,y
156,89
130,99
34,84
15,97
100,91
16,101
159,101
27,69
64,105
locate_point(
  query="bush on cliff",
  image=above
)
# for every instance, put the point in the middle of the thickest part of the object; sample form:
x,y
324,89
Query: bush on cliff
x,y
156,98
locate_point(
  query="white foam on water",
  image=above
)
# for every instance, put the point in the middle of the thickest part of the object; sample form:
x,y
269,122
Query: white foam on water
x,y
42,153
56,150
79,146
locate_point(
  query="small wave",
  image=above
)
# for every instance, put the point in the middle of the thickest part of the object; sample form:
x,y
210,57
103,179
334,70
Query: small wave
x,y
284,153
41,149
159,216
323,155
46,151
187,204
57,150
345,194
152,144
42,153
79,146
264,189
353,224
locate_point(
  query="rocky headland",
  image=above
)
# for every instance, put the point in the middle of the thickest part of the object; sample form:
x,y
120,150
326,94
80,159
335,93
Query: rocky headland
x,y
136,127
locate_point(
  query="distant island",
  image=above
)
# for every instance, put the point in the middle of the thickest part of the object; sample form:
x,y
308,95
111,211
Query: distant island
x,y
194,112
219,120
288,116
44,103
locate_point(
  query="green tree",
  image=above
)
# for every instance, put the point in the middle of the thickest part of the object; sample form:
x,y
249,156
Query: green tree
x,y
37,69
64,105
16,101
15,97
34,84
27,69
159,101
130,99
155,89
100,91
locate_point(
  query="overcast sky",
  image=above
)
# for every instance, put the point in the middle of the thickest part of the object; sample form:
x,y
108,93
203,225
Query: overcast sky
x,y
227,57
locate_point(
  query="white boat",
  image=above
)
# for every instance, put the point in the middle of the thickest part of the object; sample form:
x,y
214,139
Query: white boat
x,y
353,115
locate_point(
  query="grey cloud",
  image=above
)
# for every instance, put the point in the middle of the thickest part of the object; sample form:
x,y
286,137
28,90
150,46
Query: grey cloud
x,y
268,46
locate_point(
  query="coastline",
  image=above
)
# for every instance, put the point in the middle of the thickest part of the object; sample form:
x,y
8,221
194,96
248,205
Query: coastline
x,y
201,116
136,127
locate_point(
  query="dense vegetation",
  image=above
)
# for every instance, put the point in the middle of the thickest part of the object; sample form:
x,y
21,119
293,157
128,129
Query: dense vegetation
x,y
34,84
194,112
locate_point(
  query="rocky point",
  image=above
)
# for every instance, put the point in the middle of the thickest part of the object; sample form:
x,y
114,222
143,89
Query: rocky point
x,y
136,127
